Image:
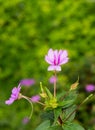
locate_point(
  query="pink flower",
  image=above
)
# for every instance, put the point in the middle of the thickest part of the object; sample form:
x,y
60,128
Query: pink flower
x,y
52,79
14,95
56,59
90,88
27,82
35,98
25,120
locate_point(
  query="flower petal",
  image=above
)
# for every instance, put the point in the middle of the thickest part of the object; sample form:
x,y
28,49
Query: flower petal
x,y
57,68
51,55
35,98
90,88
65,60
63,55
48,60
14,90
14,95
55,57
10,101
52,79
60,52
27,82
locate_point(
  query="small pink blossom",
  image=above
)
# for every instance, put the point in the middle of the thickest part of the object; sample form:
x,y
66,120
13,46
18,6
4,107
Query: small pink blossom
x,y
27,82
52,79
56,58
25,120
14,95
90,88
35,98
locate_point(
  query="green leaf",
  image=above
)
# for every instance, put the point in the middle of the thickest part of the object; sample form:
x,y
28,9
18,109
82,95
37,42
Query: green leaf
x,y
62,95
57,113
91,129
71,95
48,115
44,126
48,93
55,128
68,111
68,99
65,104
72,126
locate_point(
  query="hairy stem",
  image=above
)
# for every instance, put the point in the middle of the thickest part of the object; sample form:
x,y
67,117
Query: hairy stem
x,y
55,83
28,99
60,120
41,103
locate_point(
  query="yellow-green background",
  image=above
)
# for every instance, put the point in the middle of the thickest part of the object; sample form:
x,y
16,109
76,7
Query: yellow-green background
x,y
28,28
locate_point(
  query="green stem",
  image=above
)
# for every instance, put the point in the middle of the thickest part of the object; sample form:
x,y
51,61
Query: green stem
x,y
55,83
28,99
41,103
60,120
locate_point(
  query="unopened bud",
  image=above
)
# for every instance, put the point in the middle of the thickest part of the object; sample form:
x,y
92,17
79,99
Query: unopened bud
x,y
74,86
43,95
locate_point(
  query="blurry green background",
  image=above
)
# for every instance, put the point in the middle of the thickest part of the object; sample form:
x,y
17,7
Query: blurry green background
x,y
28,28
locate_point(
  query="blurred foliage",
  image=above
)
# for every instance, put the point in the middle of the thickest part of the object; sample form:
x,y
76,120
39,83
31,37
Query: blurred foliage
x,y
28,28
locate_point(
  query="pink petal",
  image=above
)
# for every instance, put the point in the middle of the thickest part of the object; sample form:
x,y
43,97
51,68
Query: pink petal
x,y
48,60
27,82
25,120
63,55
52,79
50,68
60,52
18,89
35,98
14,90
65,60
51,55
13,96
10,101
90,88
56,57
57,68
